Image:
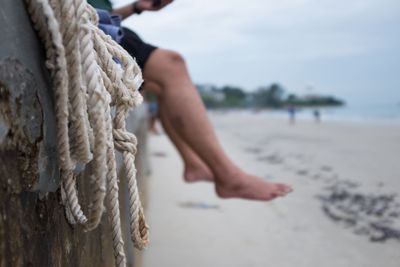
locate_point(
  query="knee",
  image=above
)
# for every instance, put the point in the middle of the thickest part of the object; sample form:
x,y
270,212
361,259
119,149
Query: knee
x,y
174,62
166,68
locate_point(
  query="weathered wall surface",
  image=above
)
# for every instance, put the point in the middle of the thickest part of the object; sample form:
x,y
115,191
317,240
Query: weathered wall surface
x,y
33,228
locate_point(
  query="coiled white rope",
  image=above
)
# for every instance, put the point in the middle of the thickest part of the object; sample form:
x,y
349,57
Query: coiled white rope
x,y
87,84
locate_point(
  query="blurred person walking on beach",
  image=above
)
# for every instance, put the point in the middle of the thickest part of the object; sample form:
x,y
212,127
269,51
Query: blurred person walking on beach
x,y
317,116
292,114
183,115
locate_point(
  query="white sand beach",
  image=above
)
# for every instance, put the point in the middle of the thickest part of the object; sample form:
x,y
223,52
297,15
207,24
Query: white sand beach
x,y
342,213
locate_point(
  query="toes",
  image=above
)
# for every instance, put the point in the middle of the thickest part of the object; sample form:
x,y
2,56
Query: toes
x,y
273,195
281,190
284,189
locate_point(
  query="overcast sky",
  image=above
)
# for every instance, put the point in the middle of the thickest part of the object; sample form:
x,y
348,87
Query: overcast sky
x,y
349,48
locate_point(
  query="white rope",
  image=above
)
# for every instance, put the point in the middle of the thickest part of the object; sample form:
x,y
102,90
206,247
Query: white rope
x,y
87,84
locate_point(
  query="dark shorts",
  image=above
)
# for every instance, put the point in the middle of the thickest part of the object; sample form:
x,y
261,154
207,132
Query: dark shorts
x,y
135,46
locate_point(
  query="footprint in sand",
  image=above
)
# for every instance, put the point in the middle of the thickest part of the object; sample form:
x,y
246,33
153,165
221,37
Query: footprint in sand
x,y
159,154
317,176
302,172
253,150
198,205
272,159
326,168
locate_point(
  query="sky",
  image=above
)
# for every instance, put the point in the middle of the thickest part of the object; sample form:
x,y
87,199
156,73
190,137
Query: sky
x,y
346,48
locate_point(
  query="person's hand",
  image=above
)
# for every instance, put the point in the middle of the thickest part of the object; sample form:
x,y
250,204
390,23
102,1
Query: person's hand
x,y
151,5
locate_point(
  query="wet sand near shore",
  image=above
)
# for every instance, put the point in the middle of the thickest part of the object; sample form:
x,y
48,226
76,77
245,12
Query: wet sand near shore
x,y
345,210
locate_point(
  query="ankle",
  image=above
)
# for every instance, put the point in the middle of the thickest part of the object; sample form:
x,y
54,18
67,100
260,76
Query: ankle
x,y
194,172
229,174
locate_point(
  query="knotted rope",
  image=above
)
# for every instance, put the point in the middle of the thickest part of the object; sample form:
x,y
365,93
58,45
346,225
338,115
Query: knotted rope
x,y
87,84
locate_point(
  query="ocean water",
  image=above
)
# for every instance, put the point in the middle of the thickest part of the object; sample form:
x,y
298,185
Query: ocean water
x,y
363,113
386,114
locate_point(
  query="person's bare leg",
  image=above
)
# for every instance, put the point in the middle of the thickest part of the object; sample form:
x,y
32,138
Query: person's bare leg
x,y
194,168
185,111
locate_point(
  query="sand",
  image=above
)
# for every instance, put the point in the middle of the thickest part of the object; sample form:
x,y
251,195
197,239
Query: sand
x,y
342,213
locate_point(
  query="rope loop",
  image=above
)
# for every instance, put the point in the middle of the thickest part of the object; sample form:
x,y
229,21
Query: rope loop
x,y
125,141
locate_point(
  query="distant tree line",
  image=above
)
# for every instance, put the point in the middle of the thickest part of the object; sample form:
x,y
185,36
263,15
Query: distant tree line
x,y
272,96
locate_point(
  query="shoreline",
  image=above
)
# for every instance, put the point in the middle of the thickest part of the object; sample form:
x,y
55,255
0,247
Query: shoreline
x,y
306,116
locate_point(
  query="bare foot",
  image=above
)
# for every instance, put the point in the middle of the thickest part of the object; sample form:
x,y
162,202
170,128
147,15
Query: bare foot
x,y
197,173
242,185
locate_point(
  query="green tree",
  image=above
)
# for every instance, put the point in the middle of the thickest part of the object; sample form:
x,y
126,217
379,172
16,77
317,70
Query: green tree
x,y
270,96
234,96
